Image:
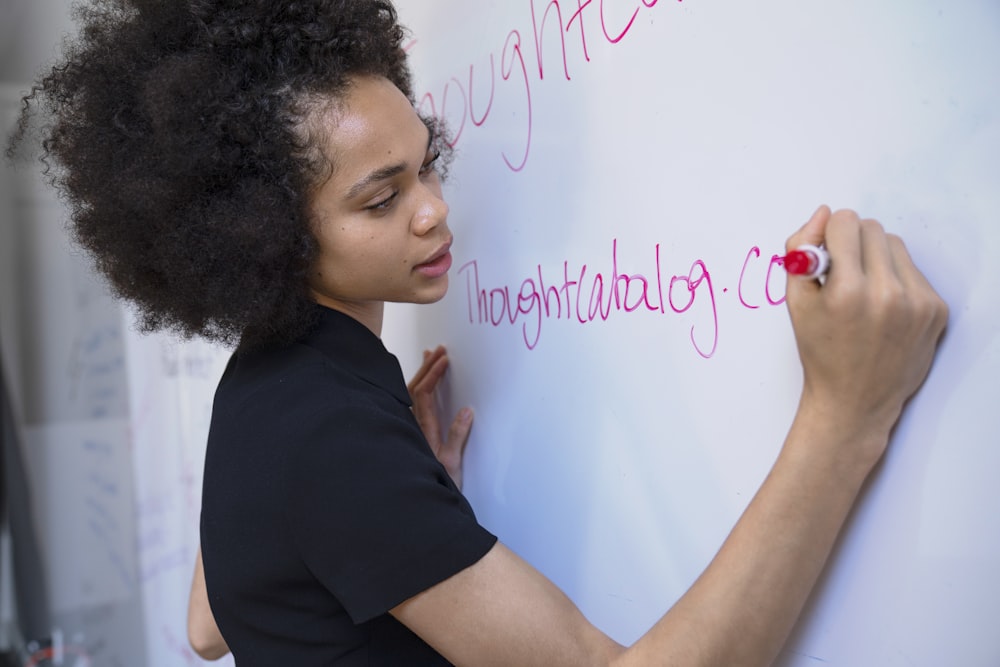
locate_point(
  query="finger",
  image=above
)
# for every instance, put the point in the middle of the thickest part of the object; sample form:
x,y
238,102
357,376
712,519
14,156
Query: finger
x,y
423,391
428,381
903,264
452,453
420,372
811,233
915,282
458,432
430,358
426,413
876,259
843,241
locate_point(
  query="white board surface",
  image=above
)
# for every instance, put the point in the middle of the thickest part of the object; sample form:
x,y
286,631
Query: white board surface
x,y
674,146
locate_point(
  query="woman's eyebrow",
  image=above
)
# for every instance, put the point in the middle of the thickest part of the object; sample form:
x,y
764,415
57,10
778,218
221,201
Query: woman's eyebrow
x,y
373,177
383,173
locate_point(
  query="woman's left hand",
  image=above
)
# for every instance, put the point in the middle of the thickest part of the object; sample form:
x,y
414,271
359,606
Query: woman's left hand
x,y
423,387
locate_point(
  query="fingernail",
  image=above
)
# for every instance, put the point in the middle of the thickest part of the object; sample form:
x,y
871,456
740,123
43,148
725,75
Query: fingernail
x,y
465,415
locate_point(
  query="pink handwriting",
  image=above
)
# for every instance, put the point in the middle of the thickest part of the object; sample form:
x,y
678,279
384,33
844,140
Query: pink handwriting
x,y
581,294
776,260
459,102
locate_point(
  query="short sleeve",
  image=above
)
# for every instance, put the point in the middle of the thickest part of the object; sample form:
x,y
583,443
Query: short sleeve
x,y
376,518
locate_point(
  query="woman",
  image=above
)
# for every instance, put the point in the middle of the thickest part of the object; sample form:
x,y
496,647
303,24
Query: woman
x,y
255,172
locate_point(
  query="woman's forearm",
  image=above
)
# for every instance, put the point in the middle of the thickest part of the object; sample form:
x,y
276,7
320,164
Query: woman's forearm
x,y
203,632
742,608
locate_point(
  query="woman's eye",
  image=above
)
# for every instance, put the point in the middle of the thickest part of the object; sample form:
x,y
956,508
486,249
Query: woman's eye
x,y
428,166
383,204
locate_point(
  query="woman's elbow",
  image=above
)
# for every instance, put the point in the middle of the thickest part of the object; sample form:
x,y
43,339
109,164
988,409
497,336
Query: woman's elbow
x,y
209,645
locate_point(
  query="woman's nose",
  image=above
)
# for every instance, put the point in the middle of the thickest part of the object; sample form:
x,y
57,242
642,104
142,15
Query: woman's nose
x,y
433,211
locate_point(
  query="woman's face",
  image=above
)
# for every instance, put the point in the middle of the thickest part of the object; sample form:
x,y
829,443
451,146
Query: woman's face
x,y
381,223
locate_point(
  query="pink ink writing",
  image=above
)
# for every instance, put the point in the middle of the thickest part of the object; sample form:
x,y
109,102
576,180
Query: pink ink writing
x,y
479,95
581,294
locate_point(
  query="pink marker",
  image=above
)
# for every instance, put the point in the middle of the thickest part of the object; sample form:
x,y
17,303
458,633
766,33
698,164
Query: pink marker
x,y
809,261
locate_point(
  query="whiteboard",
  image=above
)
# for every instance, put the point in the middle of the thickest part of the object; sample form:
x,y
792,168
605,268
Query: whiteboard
x,y
171,384
114,425
668,149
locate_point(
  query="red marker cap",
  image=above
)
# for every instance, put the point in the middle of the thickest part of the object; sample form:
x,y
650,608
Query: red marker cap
x,y
807,260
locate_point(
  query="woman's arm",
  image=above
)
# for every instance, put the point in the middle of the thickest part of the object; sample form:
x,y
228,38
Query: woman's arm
x,y
203,633
866,339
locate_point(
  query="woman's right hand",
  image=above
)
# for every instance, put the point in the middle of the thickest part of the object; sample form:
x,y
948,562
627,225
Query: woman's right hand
x,y
867,335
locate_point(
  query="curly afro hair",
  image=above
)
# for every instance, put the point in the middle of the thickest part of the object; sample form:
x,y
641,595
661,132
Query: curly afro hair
x,y
177,131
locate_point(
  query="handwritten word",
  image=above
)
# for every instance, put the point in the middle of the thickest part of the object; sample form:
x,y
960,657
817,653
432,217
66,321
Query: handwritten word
x,y
515,87
583,295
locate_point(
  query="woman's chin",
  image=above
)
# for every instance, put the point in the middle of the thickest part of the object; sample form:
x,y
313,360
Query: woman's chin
x,y
432,294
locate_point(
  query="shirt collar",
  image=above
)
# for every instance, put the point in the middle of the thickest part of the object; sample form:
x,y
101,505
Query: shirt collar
x,y
352,346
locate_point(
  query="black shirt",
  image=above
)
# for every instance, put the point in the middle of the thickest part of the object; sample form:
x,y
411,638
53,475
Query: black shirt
x,y
324,507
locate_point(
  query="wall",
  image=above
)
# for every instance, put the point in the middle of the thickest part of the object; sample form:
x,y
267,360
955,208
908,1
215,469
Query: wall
x,y
625,173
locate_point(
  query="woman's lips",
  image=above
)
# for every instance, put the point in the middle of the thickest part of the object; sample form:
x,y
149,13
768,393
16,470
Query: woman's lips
x,y
436,267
